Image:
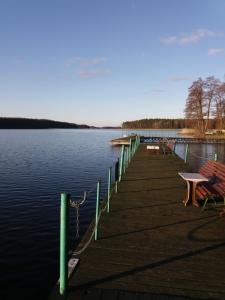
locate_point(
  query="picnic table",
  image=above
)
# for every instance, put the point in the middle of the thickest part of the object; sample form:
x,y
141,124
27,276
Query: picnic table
x,y
192,179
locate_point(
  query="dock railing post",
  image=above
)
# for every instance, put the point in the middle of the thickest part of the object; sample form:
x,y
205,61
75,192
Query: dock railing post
x,y
136,143
124,160
126,157
117,167
133,148
109,187
64,215
97,209
130,150
186,153
215,156
121,163
174,147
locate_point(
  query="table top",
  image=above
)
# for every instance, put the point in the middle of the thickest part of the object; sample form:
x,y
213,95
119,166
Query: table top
x,y
193,177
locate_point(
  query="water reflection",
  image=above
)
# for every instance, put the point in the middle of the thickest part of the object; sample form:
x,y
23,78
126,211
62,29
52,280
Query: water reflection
x,y
199,153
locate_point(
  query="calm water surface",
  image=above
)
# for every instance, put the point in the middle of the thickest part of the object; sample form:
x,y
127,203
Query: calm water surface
x,y
35,167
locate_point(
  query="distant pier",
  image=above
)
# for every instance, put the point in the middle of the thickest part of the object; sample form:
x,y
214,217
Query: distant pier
x,y
159,139
150,246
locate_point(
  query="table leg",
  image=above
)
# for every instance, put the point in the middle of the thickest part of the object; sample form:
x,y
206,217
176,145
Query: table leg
x,y
187,198
194,202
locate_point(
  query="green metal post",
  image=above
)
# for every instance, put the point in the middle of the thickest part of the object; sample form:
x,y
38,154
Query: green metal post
x,y
130,151
174,147
121,163
125,159
215,156
116,189
64,215
109,187
97,209
186,153
136,143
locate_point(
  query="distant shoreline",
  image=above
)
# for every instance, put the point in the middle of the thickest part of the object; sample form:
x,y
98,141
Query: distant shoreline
x,y
27,123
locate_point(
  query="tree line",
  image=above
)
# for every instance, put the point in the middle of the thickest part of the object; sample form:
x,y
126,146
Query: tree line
x,y
157,124
24,123
205,104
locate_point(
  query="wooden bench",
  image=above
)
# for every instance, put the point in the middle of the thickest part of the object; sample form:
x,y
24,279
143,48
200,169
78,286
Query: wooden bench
x,y
214,189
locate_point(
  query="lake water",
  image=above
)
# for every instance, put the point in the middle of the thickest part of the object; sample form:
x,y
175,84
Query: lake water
x,y
35,167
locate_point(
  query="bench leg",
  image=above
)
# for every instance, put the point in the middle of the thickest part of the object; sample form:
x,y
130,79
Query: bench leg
x,y
206,201
204,205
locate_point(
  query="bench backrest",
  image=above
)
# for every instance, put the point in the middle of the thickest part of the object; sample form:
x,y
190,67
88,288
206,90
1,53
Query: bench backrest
x,y
215,172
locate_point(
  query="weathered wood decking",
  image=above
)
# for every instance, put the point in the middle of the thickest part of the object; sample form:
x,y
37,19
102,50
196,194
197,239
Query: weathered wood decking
x,y
150,245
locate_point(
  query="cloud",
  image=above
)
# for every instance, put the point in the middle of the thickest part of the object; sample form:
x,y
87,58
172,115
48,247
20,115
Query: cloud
x,y
215,51
85,61
191,38
168,40
72,60
94,73
179,78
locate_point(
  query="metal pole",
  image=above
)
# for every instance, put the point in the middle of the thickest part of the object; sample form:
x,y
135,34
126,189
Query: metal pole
x,y
117,169
130,150
215,156
97,209
116,190
125,160
135,144
109,187
174,147
64,214
186,153
121,163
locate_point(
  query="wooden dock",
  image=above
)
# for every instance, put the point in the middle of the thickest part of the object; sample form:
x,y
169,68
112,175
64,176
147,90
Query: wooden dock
x,y
150,245
160,139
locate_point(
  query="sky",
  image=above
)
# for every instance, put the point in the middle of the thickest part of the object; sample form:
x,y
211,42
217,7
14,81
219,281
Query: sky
x,y
102,62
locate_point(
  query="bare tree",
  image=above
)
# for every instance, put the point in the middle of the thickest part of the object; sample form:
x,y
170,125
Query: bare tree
x,y
195,105
205,104
210,86
219,111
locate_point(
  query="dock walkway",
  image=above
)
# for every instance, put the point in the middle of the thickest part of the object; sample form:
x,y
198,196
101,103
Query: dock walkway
x,y
150,245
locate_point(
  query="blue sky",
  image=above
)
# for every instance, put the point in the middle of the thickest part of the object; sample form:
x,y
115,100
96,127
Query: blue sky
x,y
105,62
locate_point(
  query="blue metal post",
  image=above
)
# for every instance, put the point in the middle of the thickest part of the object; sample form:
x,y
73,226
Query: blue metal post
x,y
64,215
